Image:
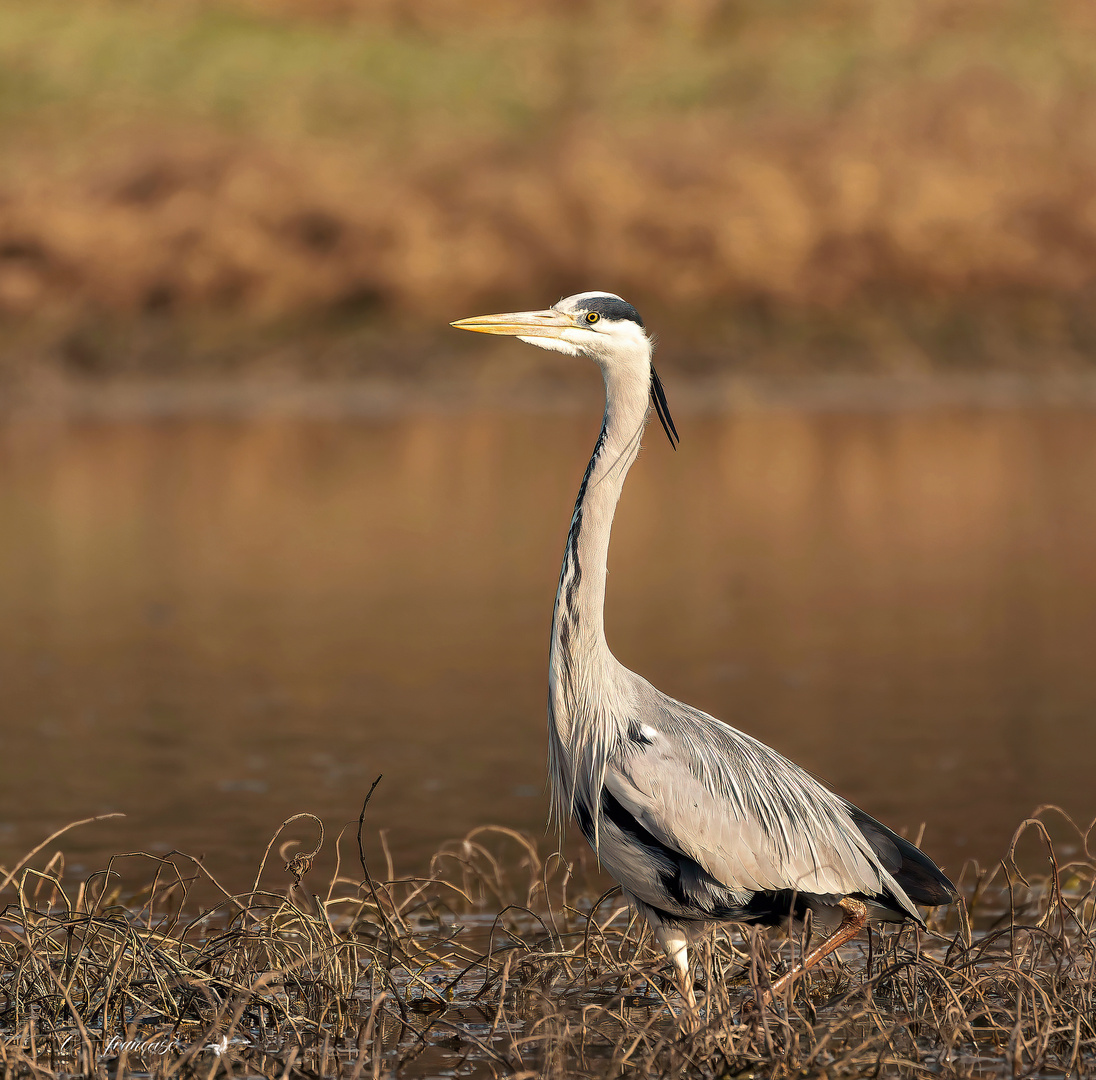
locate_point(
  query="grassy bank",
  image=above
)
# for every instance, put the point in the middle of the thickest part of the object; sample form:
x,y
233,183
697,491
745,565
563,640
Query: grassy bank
x,y
893,184
496,963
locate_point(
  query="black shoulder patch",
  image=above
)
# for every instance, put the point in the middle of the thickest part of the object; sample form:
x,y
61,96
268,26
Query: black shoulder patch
x,y
609,307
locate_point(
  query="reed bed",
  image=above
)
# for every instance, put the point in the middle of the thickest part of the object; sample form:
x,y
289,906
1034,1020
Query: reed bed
x,y
501,962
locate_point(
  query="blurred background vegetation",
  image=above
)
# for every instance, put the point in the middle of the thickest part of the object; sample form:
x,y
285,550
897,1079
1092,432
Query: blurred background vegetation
x,y
256,186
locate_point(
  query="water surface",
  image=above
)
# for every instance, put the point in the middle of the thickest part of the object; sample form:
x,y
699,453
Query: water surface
x,y
211,625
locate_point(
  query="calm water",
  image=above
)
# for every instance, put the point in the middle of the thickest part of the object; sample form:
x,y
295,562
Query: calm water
x,y
213,625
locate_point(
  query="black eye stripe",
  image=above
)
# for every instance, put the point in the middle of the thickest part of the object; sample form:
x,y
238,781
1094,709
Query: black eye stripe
x,y
609,307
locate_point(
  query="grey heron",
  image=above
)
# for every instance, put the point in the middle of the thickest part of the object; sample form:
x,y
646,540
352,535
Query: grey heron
x,y
698,822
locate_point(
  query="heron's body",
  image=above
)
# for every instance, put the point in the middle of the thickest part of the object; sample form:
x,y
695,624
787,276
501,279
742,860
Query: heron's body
x,y
699,822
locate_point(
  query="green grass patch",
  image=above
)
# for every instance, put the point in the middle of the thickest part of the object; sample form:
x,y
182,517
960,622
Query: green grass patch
x,y
73,64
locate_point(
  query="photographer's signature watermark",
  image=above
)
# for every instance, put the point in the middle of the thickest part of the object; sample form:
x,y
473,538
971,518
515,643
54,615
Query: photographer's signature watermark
x,y
157,1046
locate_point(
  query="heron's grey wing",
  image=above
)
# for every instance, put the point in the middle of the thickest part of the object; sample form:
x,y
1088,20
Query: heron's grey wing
x,y
750,818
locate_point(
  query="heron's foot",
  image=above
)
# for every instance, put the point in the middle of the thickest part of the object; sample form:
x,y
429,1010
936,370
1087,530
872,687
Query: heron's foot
x,y
687,1011
690,1015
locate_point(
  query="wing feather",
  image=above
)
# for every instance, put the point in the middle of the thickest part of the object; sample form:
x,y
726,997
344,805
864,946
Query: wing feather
x,y
749,817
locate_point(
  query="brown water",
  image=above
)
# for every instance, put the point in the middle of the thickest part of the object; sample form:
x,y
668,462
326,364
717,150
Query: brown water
x,y
211,625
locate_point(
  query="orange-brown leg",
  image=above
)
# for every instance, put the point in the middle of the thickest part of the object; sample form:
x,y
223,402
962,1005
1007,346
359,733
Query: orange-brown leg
x,y
856,915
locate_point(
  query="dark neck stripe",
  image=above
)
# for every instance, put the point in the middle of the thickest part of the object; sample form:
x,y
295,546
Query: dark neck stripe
x,y
571,553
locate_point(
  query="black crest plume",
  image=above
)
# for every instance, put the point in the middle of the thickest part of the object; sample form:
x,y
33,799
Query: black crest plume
x,y
658,396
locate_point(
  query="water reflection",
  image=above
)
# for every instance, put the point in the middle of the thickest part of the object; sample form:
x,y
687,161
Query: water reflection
x,y
213,625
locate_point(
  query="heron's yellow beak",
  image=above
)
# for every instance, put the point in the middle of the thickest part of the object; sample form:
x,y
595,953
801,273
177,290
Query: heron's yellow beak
x,y
547,323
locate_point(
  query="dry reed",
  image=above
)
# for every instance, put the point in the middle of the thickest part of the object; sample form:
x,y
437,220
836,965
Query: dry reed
x,y
496,962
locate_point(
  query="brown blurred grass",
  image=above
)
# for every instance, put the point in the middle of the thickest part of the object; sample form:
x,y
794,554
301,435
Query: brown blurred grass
x,y
884,183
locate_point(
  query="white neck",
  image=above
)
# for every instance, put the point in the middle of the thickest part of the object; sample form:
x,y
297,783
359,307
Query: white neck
x,y
584,678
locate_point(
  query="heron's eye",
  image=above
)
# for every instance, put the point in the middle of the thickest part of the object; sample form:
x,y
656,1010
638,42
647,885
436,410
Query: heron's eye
x,y
592,317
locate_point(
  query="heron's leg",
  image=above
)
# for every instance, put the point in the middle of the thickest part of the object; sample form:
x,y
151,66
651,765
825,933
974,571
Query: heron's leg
x,y
676,946
856,915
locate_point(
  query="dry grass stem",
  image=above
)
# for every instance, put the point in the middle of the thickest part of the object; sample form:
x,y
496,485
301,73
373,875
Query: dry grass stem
x,y
498,962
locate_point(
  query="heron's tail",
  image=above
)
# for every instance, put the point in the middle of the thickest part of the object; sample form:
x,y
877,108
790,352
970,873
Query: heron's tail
x,y
920,878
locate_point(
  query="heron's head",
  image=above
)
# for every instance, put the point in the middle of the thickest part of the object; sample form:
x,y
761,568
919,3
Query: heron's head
x,y
599,325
